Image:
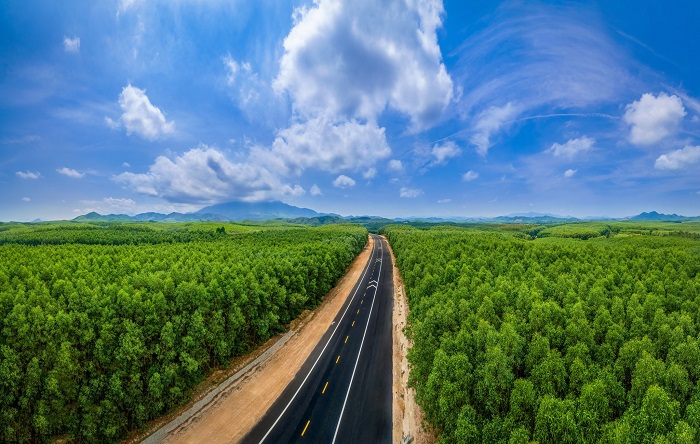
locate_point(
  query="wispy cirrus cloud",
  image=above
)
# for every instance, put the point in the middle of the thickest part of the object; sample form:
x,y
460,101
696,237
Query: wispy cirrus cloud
x,y
490,122
535,57
21,140
254,95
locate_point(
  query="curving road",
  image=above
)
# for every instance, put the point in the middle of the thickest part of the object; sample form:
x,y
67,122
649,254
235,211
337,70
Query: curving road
x,y
342,394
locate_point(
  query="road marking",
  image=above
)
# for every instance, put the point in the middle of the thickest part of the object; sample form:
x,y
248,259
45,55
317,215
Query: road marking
x,y
353,324
361,301
306,427
352,377
324,388
358,311
346,339
320,354
336,361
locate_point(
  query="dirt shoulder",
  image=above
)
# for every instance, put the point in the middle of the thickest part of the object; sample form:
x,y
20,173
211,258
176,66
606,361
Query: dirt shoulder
x,y
407,416
238,407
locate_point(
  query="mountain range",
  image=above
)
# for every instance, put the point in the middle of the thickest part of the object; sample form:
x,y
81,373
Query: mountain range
x,y
260,211
229,211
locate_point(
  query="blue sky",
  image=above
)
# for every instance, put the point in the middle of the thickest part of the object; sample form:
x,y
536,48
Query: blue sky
x,y
394,107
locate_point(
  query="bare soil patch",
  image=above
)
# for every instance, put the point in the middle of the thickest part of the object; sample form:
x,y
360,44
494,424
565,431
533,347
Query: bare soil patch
x,y
232,414
407,416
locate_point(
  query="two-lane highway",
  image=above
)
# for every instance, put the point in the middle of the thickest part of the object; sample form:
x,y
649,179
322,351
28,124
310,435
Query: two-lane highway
x,y
342,394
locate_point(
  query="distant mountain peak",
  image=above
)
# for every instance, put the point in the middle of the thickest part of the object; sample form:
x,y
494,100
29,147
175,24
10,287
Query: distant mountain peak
x,y
660,217
237,210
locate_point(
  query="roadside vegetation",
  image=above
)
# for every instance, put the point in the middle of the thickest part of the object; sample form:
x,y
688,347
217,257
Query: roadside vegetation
x,y
105,326
576,333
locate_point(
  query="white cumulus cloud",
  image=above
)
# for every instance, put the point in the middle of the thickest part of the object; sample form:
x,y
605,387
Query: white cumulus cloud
x,y
444,201
652,119
369,174
71,44
678,159
572,147
343,182
442,152
324,145
26,199
569,173
28,174
470,175
410,193
395,165
354,59
315,190
140,116
70,172
206,175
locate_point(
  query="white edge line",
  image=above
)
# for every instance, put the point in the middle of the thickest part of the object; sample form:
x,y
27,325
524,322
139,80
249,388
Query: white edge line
x,y
324,349
337,427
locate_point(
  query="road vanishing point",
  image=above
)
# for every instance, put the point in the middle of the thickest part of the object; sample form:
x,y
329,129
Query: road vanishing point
x,y
343,392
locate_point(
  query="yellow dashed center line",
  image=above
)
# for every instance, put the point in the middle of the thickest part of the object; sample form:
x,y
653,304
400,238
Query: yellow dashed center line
x,y
338,359
324,388
306,427
353,324
358,311
361,301
346,339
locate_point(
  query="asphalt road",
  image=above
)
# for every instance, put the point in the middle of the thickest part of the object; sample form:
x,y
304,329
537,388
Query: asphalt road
x,y
342,394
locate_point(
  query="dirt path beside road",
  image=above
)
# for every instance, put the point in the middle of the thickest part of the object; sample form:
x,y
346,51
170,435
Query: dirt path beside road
x,y
233,413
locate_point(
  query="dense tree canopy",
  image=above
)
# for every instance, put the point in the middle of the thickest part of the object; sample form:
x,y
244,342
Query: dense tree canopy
x,y
554,340
103,328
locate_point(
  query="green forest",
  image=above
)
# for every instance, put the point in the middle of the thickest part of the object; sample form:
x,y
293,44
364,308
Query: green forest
x,y
577,333
105,326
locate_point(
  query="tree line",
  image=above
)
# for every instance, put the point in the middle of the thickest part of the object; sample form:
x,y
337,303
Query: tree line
x,y
553,340
101,335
